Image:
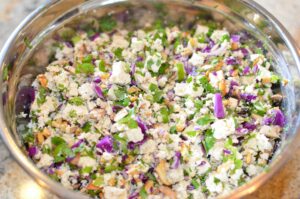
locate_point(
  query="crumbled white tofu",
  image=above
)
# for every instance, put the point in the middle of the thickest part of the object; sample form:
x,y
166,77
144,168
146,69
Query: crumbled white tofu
x,y
136,44
196,60
86,91
201,30
87,161
187,89
216,78
45,161
119,74
218,34
121,114
119,42
223,128
212,185
148,147
153,62
134,135
114,193
175,175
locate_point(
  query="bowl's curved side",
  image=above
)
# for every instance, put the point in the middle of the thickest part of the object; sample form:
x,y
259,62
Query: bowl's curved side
x,y
54,10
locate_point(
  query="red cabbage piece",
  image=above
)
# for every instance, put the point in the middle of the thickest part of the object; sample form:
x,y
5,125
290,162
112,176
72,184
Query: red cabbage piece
x,y
142,125
246,70
249,126
226,151
94,37
98,91
218,106
176,160
231,61
32,151
277,118
245,52
97,80
77,144
132,69
248,97
235,38
105,144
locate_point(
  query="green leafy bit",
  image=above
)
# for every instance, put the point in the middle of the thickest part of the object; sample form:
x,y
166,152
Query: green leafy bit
x,y
75,39
192,133
42,96
206,85
121,95
72,114
118,53
165,114
78,101
180,71
61,150
206,119
57,140
86,127
86,68
209,140
87,59
259,108
225,37
107,23
195,183
87,170
99,181
173,130
102,66
143,193
156,92
129,121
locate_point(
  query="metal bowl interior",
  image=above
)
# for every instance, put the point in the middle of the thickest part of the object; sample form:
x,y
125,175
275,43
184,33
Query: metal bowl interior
x,y
18,70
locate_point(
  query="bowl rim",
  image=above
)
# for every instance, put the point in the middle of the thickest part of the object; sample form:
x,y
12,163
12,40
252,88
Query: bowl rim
x,y
56,188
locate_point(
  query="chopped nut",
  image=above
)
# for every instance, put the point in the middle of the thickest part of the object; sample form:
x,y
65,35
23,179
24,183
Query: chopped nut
x,y
46,133
180,127
168,192
248,158
235,73
193,42
186,52
219,66
133,89
234,46
133,98
277,98
75,160
40,138
222,87
161,170
43,81
266,80
149,184
112,182
92,187
105,76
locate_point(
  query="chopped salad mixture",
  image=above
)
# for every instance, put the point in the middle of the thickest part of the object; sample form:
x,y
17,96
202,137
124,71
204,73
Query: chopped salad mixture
x,y
158,112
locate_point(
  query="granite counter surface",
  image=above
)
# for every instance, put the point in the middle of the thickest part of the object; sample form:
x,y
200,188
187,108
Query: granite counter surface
x,y
15,183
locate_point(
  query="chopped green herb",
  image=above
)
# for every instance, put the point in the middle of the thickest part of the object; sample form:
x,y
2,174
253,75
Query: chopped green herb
x,y
87,127
206,119
99,181
78,101
102,66
118,53
180,71
209,140
143,193
165,114
107,23
157,93
86,68
42,96
129,121
206,85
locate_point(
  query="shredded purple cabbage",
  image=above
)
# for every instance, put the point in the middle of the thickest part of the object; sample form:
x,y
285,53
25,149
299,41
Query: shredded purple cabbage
x,y
105,144
246,70
97,80
32,151
248,97
226,151
249,126
277,118
176,160
77,144
98,91
94,37
231,61
235,38
218,106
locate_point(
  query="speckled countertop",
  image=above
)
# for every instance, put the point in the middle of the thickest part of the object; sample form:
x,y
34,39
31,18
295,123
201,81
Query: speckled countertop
x,y
15,183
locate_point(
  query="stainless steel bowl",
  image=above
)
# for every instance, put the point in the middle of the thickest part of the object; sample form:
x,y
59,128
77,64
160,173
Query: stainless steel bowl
x,y
17,71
